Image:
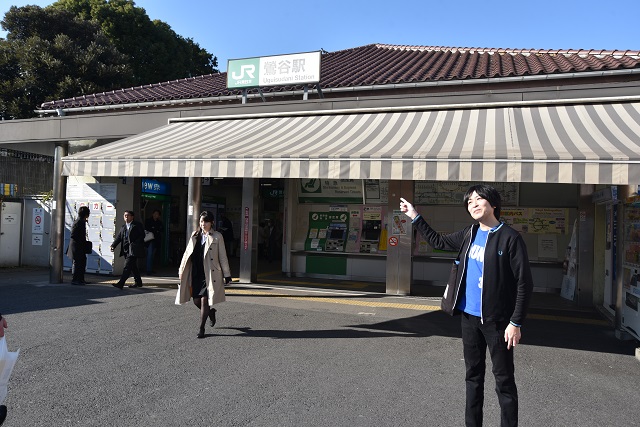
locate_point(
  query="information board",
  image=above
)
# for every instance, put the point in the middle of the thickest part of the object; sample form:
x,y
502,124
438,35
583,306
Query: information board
x,y
452,192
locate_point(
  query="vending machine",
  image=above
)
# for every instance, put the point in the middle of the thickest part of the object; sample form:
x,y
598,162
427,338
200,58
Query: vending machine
x,y
631,271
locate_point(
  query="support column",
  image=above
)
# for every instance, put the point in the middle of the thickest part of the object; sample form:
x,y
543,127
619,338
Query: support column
x,y
249,231
399,245
194,202
56,231
586,214
288,221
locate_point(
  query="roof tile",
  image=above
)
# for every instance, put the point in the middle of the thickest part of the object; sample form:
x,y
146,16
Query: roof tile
x,y
381,64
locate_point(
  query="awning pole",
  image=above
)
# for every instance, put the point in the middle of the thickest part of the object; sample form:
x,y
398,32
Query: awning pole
x,y
194,200
56,230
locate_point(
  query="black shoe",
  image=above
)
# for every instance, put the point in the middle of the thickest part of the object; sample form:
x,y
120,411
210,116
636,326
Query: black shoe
x,y
85,282
77,283
136,285
201,333
212,317
3,413
118,285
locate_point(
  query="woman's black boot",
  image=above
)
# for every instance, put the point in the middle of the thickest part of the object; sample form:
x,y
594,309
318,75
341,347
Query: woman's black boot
x,y
212,317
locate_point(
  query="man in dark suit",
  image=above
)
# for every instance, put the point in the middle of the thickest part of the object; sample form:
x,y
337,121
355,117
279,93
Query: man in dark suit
x,y
131,238
78,246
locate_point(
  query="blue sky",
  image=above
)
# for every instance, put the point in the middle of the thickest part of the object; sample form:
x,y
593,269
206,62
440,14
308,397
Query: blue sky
x,y
241,29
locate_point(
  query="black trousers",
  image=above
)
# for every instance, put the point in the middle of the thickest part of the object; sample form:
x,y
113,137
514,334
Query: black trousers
x,y
476,338
130,267
79,266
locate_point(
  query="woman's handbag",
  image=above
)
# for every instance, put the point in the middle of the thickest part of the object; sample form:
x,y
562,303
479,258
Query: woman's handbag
x,y
148,236
88,247
449,298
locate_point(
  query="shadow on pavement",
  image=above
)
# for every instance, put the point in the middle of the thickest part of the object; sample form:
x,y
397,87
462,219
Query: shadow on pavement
x,y
48,297
544,333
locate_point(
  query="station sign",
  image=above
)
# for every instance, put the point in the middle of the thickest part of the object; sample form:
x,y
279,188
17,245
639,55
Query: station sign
x,y
279,70
151,186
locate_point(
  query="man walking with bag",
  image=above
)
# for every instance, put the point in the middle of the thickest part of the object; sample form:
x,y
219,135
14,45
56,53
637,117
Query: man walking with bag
x,y
131,238
492,290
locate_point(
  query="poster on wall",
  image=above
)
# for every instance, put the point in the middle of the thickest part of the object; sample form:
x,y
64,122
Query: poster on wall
x,y
37,226
376,191
536,220
570,267
452,192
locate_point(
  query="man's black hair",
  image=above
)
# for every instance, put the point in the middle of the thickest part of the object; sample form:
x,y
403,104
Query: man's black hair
x,y
83,212
488,193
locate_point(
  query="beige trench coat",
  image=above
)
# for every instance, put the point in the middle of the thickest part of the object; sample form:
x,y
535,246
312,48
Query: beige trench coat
x,y
216,268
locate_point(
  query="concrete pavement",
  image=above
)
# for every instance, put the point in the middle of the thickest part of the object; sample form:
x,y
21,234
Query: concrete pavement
x,y
282,356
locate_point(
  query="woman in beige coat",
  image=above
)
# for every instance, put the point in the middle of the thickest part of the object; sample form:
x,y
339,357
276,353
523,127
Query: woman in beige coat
x,y
204,270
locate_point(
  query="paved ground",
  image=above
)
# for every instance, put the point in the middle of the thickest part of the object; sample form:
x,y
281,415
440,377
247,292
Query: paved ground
x,y
281,356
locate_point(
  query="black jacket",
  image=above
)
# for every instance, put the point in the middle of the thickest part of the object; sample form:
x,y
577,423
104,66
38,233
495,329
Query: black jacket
x,y
78,241
133,244
507,280
154,226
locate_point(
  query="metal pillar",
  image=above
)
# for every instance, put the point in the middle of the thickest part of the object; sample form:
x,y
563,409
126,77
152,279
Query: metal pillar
x,y
249,231
194,200
399,244
56,231
289,219
586,215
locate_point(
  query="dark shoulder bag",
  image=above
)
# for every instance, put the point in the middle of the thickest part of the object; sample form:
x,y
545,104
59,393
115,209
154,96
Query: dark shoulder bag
x,y
449,298
88,248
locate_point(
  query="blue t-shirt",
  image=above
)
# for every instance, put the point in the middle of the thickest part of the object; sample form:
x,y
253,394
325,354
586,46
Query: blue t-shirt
x,y
471,300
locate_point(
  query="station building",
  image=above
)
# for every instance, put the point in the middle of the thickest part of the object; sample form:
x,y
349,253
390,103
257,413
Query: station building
x,y
556,131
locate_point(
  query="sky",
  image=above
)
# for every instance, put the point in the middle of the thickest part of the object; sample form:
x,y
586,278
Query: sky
x,y
251,28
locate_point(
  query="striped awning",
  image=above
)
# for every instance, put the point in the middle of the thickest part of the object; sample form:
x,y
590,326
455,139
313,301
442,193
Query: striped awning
x,y
582,143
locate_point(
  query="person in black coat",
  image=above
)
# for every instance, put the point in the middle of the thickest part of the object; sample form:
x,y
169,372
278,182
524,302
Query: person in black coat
x,y
78,246
154,225
226,229
131,238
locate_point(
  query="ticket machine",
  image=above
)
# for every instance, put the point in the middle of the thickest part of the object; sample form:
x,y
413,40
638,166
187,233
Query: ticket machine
x,y
370,236
336,236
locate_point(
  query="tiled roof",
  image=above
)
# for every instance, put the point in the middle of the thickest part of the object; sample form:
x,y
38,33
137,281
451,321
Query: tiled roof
x,y
381,64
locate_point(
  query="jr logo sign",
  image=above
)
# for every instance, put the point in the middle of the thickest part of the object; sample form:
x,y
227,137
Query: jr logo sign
x,y
243,73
